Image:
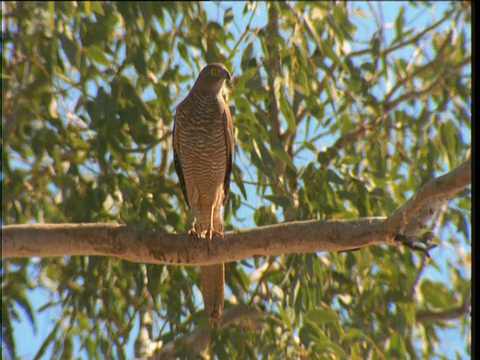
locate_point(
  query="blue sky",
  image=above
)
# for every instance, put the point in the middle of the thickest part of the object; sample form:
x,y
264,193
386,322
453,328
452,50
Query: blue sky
x,y
28,342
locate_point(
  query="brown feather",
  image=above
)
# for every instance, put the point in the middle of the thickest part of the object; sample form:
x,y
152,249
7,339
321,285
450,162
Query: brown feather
x,y
203,150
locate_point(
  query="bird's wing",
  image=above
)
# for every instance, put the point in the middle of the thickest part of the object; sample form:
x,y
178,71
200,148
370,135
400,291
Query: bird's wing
x,y
176,151
230,141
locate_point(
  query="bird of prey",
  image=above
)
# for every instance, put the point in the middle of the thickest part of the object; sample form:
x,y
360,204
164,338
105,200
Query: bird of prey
x,y
203,147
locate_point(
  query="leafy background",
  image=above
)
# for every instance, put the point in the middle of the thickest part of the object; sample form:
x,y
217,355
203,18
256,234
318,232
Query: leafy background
x,y
340,111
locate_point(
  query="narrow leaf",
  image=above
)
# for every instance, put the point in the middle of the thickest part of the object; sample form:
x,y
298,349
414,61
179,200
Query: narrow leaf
x,y
96,54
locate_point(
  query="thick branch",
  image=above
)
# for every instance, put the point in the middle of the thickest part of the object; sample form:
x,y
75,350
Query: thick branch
x,y
50,240
436,191
423,217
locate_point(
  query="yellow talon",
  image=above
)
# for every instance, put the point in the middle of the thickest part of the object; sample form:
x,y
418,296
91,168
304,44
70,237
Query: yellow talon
x,y
193,232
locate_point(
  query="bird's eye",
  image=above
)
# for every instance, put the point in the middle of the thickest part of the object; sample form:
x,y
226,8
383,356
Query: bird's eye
x,y
213,72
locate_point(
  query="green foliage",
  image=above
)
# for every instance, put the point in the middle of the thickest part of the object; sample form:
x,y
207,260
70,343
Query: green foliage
x,y
330,124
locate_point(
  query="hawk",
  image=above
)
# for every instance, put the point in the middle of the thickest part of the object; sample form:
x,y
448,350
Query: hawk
x,y
203,149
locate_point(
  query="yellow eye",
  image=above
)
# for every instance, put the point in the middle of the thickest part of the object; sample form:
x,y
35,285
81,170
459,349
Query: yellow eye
x,y
213,72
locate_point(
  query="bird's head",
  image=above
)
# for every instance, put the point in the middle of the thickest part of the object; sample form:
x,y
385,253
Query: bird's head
x,y
212,78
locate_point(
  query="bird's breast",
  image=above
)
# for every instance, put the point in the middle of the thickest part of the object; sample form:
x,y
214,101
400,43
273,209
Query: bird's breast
x,y
203,150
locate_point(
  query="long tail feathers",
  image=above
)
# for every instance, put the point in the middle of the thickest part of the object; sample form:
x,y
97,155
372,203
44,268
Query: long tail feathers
x,y
213,276
213,289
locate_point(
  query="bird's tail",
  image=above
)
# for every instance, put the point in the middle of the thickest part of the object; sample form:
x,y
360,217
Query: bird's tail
x,y
213,289
213,276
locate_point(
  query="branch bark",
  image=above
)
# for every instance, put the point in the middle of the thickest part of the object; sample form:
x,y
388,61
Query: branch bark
x,y
435,192
51,240
114,240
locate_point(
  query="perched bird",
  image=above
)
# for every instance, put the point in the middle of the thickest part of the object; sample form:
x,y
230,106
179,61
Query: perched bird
x,y
203,147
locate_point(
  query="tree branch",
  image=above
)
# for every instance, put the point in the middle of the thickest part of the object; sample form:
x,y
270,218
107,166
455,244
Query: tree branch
x,y
410,41
436,191
52,240
102,239
424,68
444,315
388,106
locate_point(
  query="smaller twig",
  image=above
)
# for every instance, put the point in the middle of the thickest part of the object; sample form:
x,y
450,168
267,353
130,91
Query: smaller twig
x,y
449,314
260,273
422,243
411,41
429,66
390,105
245,32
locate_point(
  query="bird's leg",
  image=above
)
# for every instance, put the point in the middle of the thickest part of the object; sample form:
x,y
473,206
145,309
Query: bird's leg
x,y
210,232
210,229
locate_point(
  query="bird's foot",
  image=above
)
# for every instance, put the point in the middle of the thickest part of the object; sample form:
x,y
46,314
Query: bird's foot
x,y
214,233
193,232
209,235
